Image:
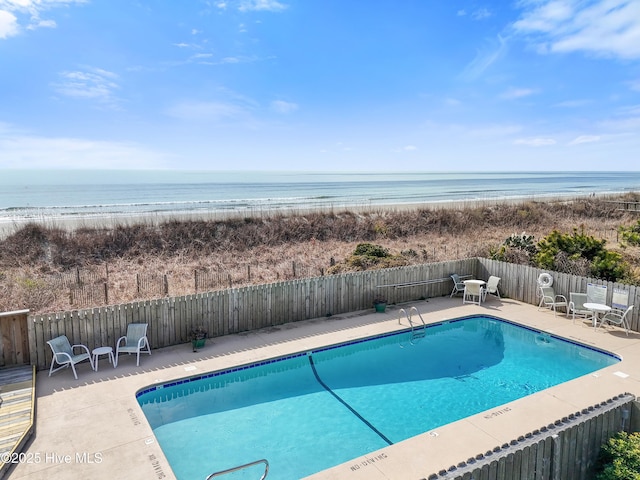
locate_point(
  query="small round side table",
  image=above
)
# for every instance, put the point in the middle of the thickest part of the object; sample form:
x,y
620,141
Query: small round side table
x,y
102,351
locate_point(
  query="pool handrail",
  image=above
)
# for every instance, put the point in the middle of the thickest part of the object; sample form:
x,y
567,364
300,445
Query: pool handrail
x,y
417,331
241,467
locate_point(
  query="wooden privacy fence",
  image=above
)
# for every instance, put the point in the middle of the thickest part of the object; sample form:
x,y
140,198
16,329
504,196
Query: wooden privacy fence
x,y
565,450
234,310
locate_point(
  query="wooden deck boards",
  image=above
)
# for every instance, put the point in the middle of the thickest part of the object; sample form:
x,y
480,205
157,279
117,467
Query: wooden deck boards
x,y
17,403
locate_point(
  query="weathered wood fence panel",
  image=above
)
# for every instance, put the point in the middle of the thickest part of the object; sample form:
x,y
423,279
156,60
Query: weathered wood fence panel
x,y
223,312
565,450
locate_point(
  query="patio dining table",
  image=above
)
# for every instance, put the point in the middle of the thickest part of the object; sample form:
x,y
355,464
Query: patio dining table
x,y
597,309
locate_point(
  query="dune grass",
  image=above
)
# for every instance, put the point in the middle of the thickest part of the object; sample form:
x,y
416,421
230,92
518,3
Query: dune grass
x,y
269,248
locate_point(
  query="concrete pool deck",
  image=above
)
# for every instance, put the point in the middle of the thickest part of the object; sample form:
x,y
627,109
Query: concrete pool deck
x,y
94,428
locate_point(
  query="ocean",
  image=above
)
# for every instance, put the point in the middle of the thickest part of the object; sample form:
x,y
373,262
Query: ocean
x,y
58,195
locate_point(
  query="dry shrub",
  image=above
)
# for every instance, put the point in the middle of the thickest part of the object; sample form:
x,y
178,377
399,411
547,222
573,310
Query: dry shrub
x,y
273,248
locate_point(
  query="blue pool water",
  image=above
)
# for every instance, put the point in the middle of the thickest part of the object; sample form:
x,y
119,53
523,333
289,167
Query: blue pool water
x,y
310,411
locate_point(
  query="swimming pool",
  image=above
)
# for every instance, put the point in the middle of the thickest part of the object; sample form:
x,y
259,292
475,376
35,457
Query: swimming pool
x,y
313,410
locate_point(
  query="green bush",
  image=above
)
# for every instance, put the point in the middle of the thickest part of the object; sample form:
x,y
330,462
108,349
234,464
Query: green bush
x,y
516,246
631,234
620,458
368,256
371,250
603,263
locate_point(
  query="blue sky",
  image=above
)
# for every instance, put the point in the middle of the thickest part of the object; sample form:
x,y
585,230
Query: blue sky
x,y
320,85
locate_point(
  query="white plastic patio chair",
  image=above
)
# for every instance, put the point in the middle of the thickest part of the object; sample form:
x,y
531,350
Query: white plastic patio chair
x,y
473,293
63,355
458,285
576,305
492,287
135,341
549,299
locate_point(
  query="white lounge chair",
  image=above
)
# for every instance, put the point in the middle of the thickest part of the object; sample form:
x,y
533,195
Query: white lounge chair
x,y
458,285
549,299
492,287
135,341
576,305
473,292
63,355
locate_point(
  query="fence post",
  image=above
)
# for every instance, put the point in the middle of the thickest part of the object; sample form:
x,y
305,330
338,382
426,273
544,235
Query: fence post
x,y
138,282
293,267
249,272
195,278
78,275
166,284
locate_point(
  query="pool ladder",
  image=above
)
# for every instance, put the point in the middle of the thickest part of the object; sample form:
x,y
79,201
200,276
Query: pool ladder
x,y
242,467
418,330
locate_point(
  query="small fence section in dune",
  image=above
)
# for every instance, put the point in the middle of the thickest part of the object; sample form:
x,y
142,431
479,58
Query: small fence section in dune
x,y
85,286
152,284
92,286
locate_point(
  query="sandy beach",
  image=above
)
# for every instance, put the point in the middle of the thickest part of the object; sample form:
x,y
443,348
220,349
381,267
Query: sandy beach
x,y
110,221
271,246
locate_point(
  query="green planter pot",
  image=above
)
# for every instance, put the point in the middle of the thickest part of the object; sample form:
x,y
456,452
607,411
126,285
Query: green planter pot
x,y
380,307
199,343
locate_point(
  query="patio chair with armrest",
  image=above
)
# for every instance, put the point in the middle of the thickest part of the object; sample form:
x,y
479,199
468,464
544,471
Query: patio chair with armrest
x,y
620,310
135,341
549,299
492,287
618,317
64,356
458,285
576,305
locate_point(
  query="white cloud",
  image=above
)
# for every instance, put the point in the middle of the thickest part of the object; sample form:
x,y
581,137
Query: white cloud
x,y
280,106
513,93
535,142
14,13
410,148
601,27
92,83
23,150
8,24
261,5
484,59
481,14
585,139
